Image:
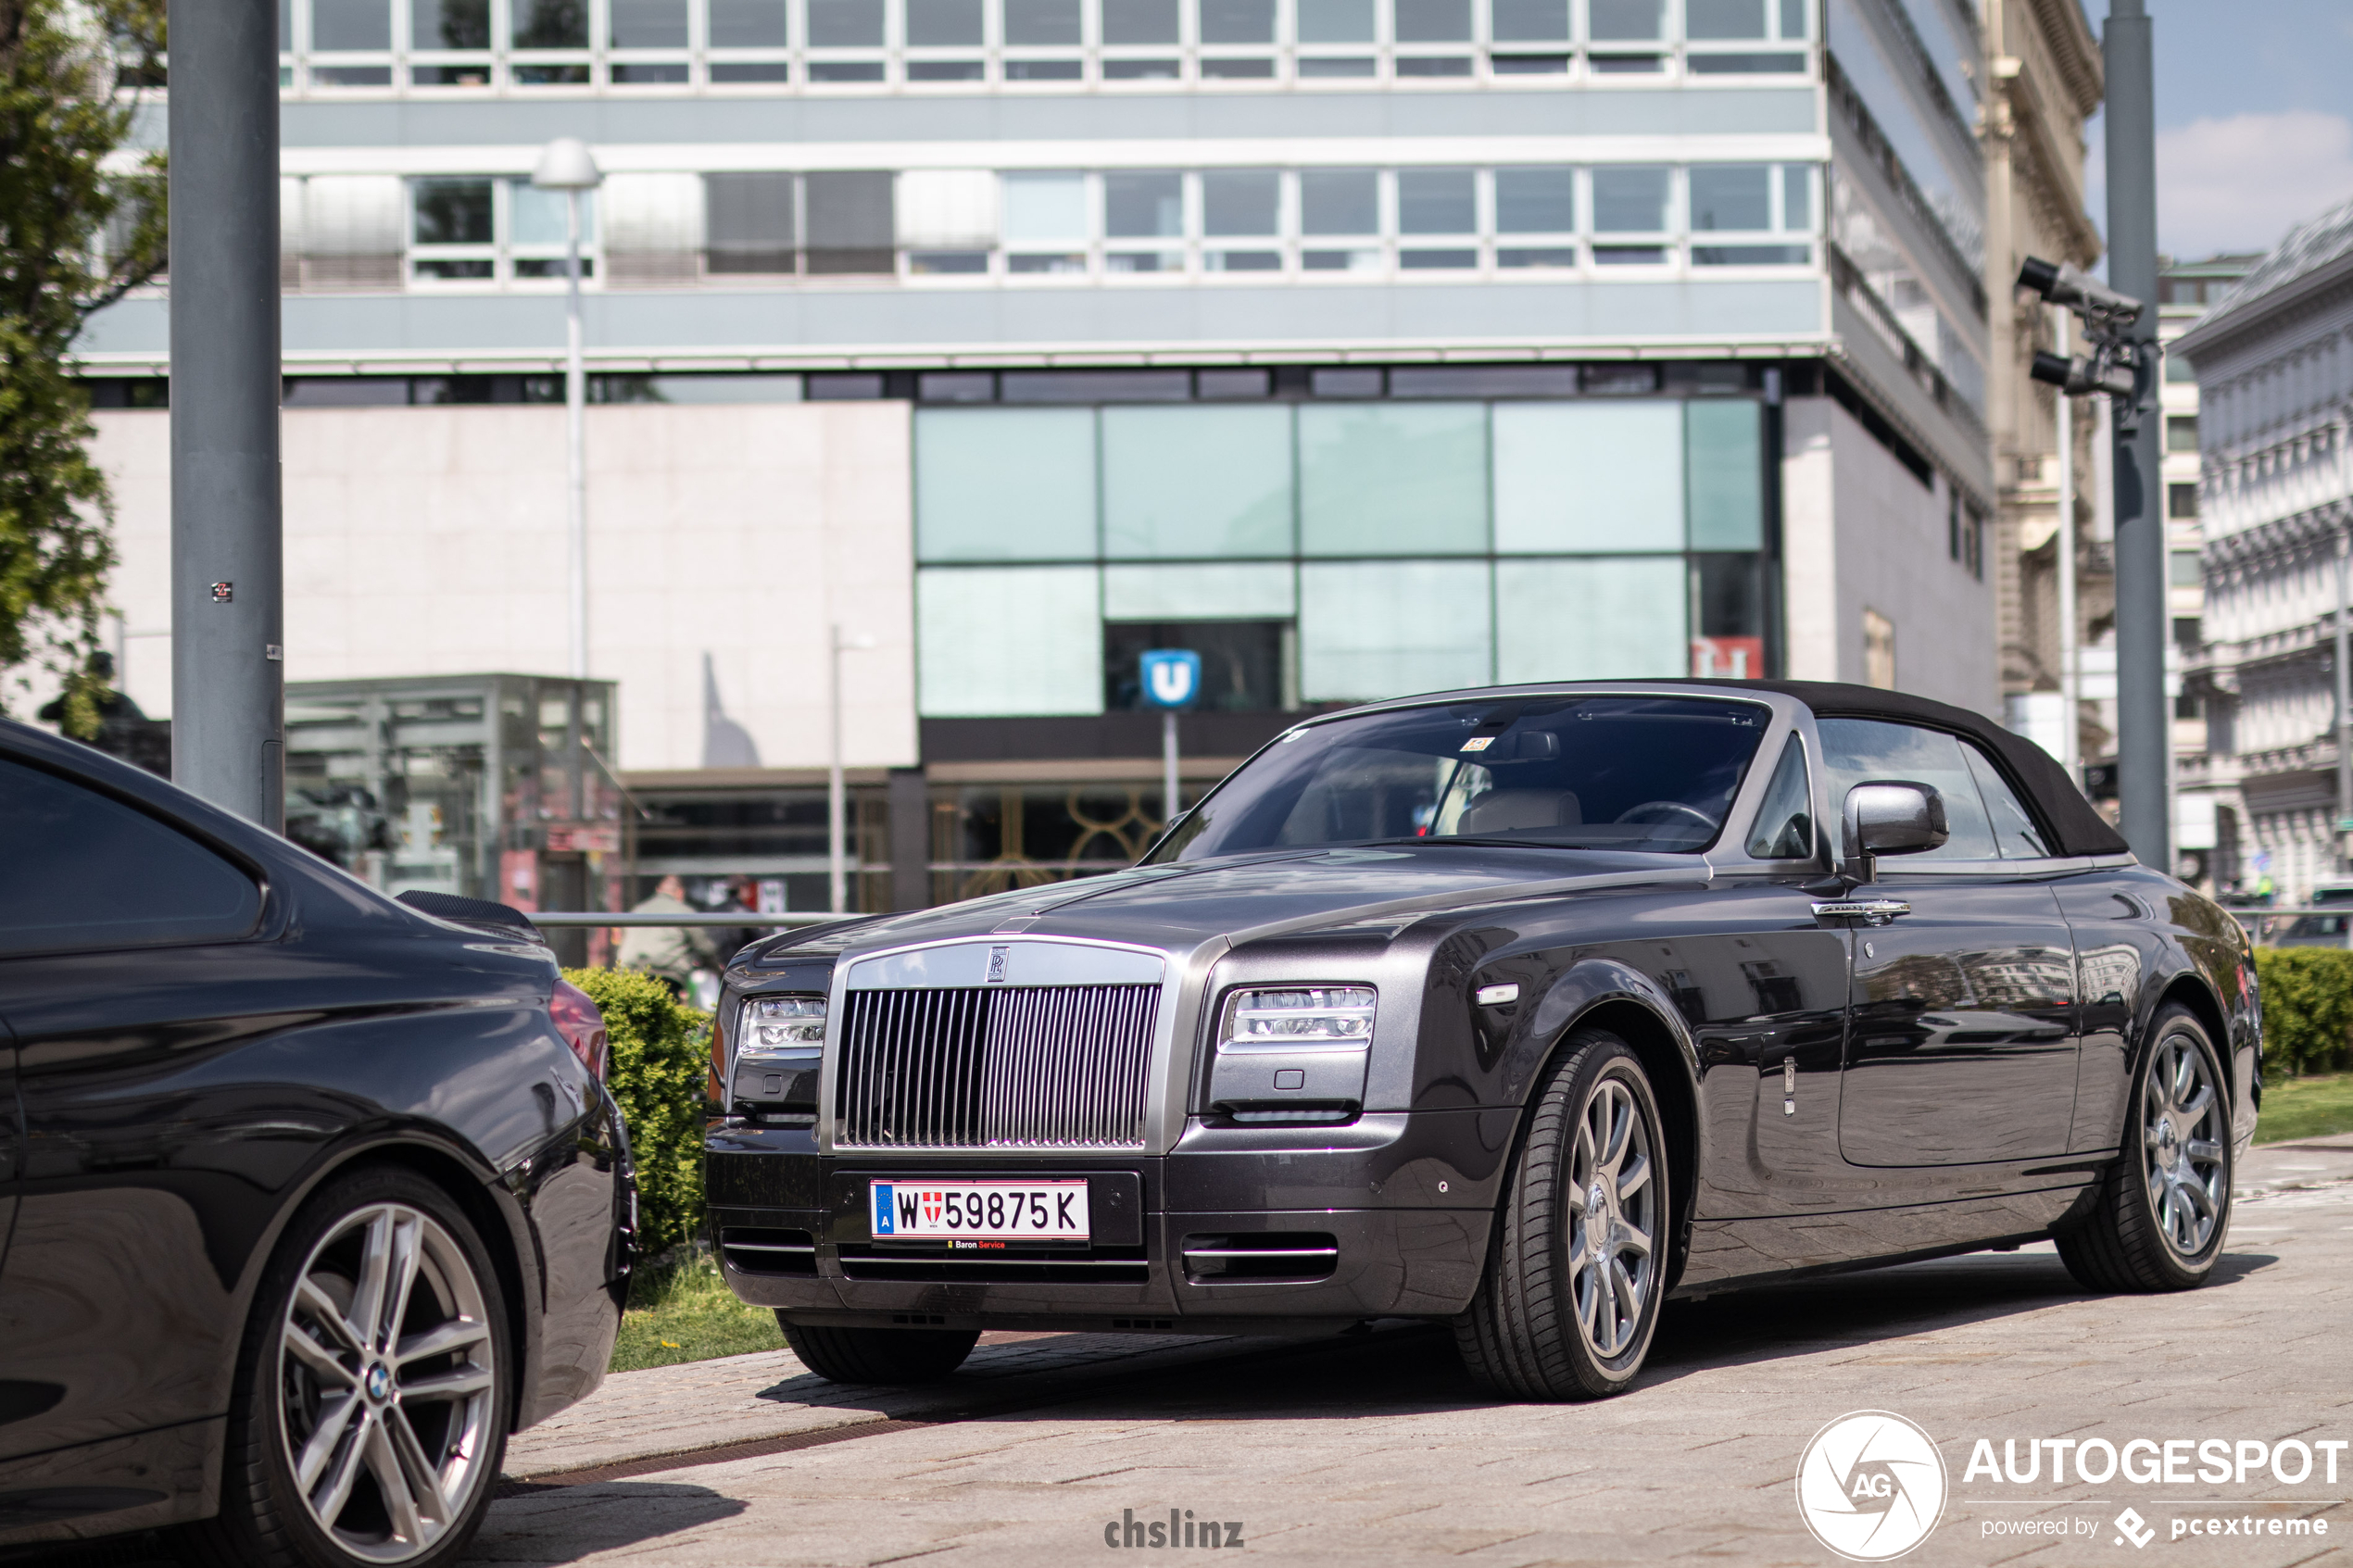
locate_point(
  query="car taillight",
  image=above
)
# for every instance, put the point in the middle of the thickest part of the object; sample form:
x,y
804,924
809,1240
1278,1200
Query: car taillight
x,y
581,1024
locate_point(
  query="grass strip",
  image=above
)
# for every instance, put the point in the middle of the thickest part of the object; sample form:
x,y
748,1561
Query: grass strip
x,y
2306,1107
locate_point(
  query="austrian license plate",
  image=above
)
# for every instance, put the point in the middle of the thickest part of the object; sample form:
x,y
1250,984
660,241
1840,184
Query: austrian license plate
x,y
978,1211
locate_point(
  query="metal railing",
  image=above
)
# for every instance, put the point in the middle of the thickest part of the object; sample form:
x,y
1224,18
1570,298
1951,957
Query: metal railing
x,y
2266,922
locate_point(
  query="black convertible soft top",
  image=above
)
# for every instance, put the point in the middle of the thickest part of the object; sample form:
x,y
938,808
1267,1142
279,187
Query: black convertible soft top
x,y
2079,829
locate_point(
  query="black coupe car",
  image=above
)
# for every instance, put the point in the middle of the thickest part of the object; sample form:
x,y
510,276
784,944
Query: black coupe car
x,y
308,1196
1519,1008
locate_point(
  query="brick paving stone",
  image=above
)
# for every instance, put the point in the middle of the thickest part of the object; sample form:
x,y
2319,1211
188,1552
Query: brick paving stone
x,y
1381,1451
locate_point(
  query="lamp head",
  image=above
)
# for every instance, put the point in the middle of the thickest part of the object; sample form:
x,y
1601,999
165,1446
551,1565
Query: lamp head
x,y
565,165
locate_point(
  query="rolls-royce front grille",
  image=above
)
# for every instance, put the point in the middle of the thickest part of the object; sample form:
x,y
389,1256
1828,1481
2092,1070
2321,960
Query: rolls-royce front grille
x,y
995,1067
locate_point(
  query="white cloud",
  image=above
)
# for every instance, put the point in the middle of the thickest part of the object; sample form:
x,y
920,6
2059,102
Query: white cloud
x,y
2240,182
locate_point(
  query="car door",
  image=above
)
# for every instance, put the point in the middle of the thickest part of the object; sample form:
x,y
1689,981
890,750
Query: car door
x,y
114,1314
1763,985
1962,1024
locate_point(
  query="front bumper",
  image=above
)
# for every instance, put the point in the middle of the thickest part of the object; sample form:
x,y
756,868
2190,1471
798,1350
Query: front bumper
x,y
1285,1229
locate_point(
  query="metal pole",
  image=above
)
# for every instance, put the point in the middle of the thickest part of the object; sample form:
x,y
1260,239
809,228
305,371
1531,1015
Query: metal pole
x,y
836,871
2144,717
2070,675
228,597
1168,765
575,441
2344,706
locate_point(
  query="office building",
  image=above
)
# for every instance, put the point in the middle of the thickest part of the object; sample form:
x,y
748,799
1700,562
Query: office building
x,y
1365,347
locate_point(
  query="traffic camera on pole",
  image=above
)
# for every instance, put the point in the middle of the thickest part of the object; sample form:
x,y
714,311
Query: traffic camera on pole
x,y
2111,365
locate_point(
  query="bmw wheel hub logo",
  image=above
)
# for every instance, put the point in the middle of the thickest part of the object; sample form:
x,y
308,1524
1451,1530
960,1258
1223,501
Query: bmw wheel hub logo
x,y
1871,1486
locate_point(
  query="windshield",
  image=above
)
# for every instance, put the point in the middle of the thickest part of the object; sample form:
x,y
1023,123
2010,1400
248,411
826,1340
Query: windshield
x,y
1586,773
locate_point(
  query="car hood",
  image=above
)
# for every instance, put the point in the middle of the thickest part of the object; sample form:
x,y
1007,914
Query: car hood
x,y
1244,898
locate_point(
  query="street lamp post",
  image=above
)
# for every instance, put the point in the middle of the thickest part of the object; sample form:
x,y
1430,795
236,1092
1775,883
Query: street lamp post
x,y
565,165
836,852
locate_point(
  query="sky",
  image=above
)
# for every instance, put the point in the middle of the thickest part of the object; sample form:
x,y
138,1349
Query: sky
x,y
2254,120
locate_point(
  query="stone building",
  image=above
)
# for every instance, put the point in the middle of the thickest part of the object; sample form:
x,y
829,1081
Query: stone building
x,y
2274,363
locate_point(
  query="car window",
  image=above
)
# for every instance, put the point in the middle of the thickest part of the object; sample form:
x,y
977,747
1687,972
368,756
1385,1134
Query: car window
x,y
1620,773
1854,750
80,869
1785,829
2014,831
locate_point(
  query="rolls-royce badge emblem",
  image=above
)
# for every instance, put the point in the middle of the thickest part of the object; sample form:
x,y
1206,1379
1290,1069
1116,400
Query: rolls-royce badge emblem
x,y
997,966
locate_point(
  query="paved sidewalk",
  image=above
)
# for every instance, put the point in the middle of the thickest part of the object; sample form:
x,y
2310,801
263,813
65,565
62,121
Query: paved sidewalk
x,y
677,1410
1381,1450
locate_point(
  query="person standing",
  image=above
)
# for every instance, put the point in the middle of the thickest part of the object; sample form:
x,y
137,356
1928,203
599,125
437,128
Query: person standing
x,y
670,953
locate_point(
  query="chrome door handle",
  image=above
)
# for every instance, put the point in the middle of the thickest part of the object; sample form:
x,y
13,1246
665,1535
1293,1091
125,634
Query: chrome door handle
x,y
1870,911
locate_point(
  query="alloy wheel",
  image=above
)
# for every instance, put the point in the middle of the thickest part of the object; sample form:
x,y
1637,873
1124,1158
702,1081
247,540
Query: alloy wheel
x,y
1614,1220
386,1383
2184,1146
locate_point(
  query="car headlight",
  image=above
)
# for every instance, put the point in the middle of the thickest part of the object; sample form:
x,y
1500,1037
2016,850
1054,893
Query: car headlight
x,y
1295,1018
780,1026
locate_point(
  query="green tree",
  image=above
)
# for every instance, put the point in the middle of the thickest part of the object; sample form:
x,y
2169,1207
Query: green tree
x,y
78,230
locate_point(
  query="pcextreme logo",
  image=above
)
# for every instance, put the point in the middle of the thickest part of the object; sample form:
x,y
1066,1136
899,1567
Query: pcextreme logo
x,y
1870,1486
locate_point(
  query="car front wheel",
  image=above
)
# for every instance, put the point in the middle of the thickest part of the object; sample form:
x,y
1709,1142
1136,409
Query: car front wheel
x,y
2159,1217
1570,1298
374,1387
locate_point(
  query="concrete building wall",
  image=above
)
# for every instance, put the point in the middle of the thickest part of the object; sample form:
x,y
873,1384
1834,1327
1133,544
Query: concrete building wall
x,y
430,541
1861,534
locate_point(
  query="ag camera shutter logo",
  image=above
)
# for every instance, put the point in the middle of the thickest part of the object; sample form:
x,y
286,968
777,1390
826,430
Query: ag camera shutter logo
x,y
1871,1485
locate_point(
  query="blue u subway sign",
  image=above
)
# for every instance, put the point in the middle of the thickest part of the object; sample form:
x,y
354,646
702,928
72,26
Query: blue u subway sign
x,y
1172,677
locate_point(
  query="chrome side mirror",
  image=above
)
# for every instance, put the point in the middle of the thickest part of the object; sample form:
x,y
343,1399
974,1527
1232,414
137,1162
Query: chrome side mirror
x,y
1892,817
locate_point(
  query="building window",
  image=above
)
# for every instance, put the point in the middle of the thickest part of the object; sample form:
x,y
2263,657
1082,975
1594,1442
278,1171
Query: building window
x,y
1879,650
1240,209
1630,208
748,223
2188,570
2181,501
1536,217
2179,368
494,232
1628,37
1371,547
1340,220
2181,432
1745,203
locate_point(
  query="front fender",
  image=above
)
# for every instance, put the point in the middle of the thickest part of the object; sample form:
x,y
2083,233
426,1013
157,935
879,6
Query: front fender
x,y
1579,989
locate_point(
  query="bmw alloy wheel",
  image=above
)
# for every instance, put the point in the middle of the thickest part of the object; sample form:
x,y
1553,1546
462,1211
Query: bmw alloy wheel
x,y
386,1383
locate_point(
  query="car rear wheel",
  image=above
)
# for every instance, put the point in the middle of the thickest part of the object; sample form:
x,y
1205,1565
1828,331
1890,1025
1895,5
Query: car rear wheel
x,y
1570,1298
2159,1217
879,1354
374,1387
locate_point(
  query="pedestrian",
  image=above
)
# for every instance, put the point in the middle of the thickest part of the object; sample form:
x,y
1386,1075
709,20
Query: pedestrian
x,y
669,953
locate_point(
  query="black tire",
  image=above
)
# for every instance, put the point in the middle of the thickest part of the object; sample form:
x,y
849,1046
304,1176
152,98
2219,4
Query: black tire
x,y
879,1354
2133,1240
460,1427
1528,1332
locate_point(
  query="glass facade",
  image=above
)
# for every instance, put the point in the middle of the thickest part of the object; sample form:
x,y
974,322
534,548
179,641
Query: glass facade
x,y
1328,552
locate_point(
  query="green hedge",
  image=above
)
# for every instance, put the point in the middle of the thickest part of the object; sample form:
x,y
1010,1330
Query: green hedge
x,y
2308,1009
659,1060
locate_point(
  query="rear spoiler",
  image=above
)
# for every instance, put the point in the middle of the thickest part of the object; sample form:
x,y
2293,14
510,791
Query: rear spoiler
x,y
478,912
